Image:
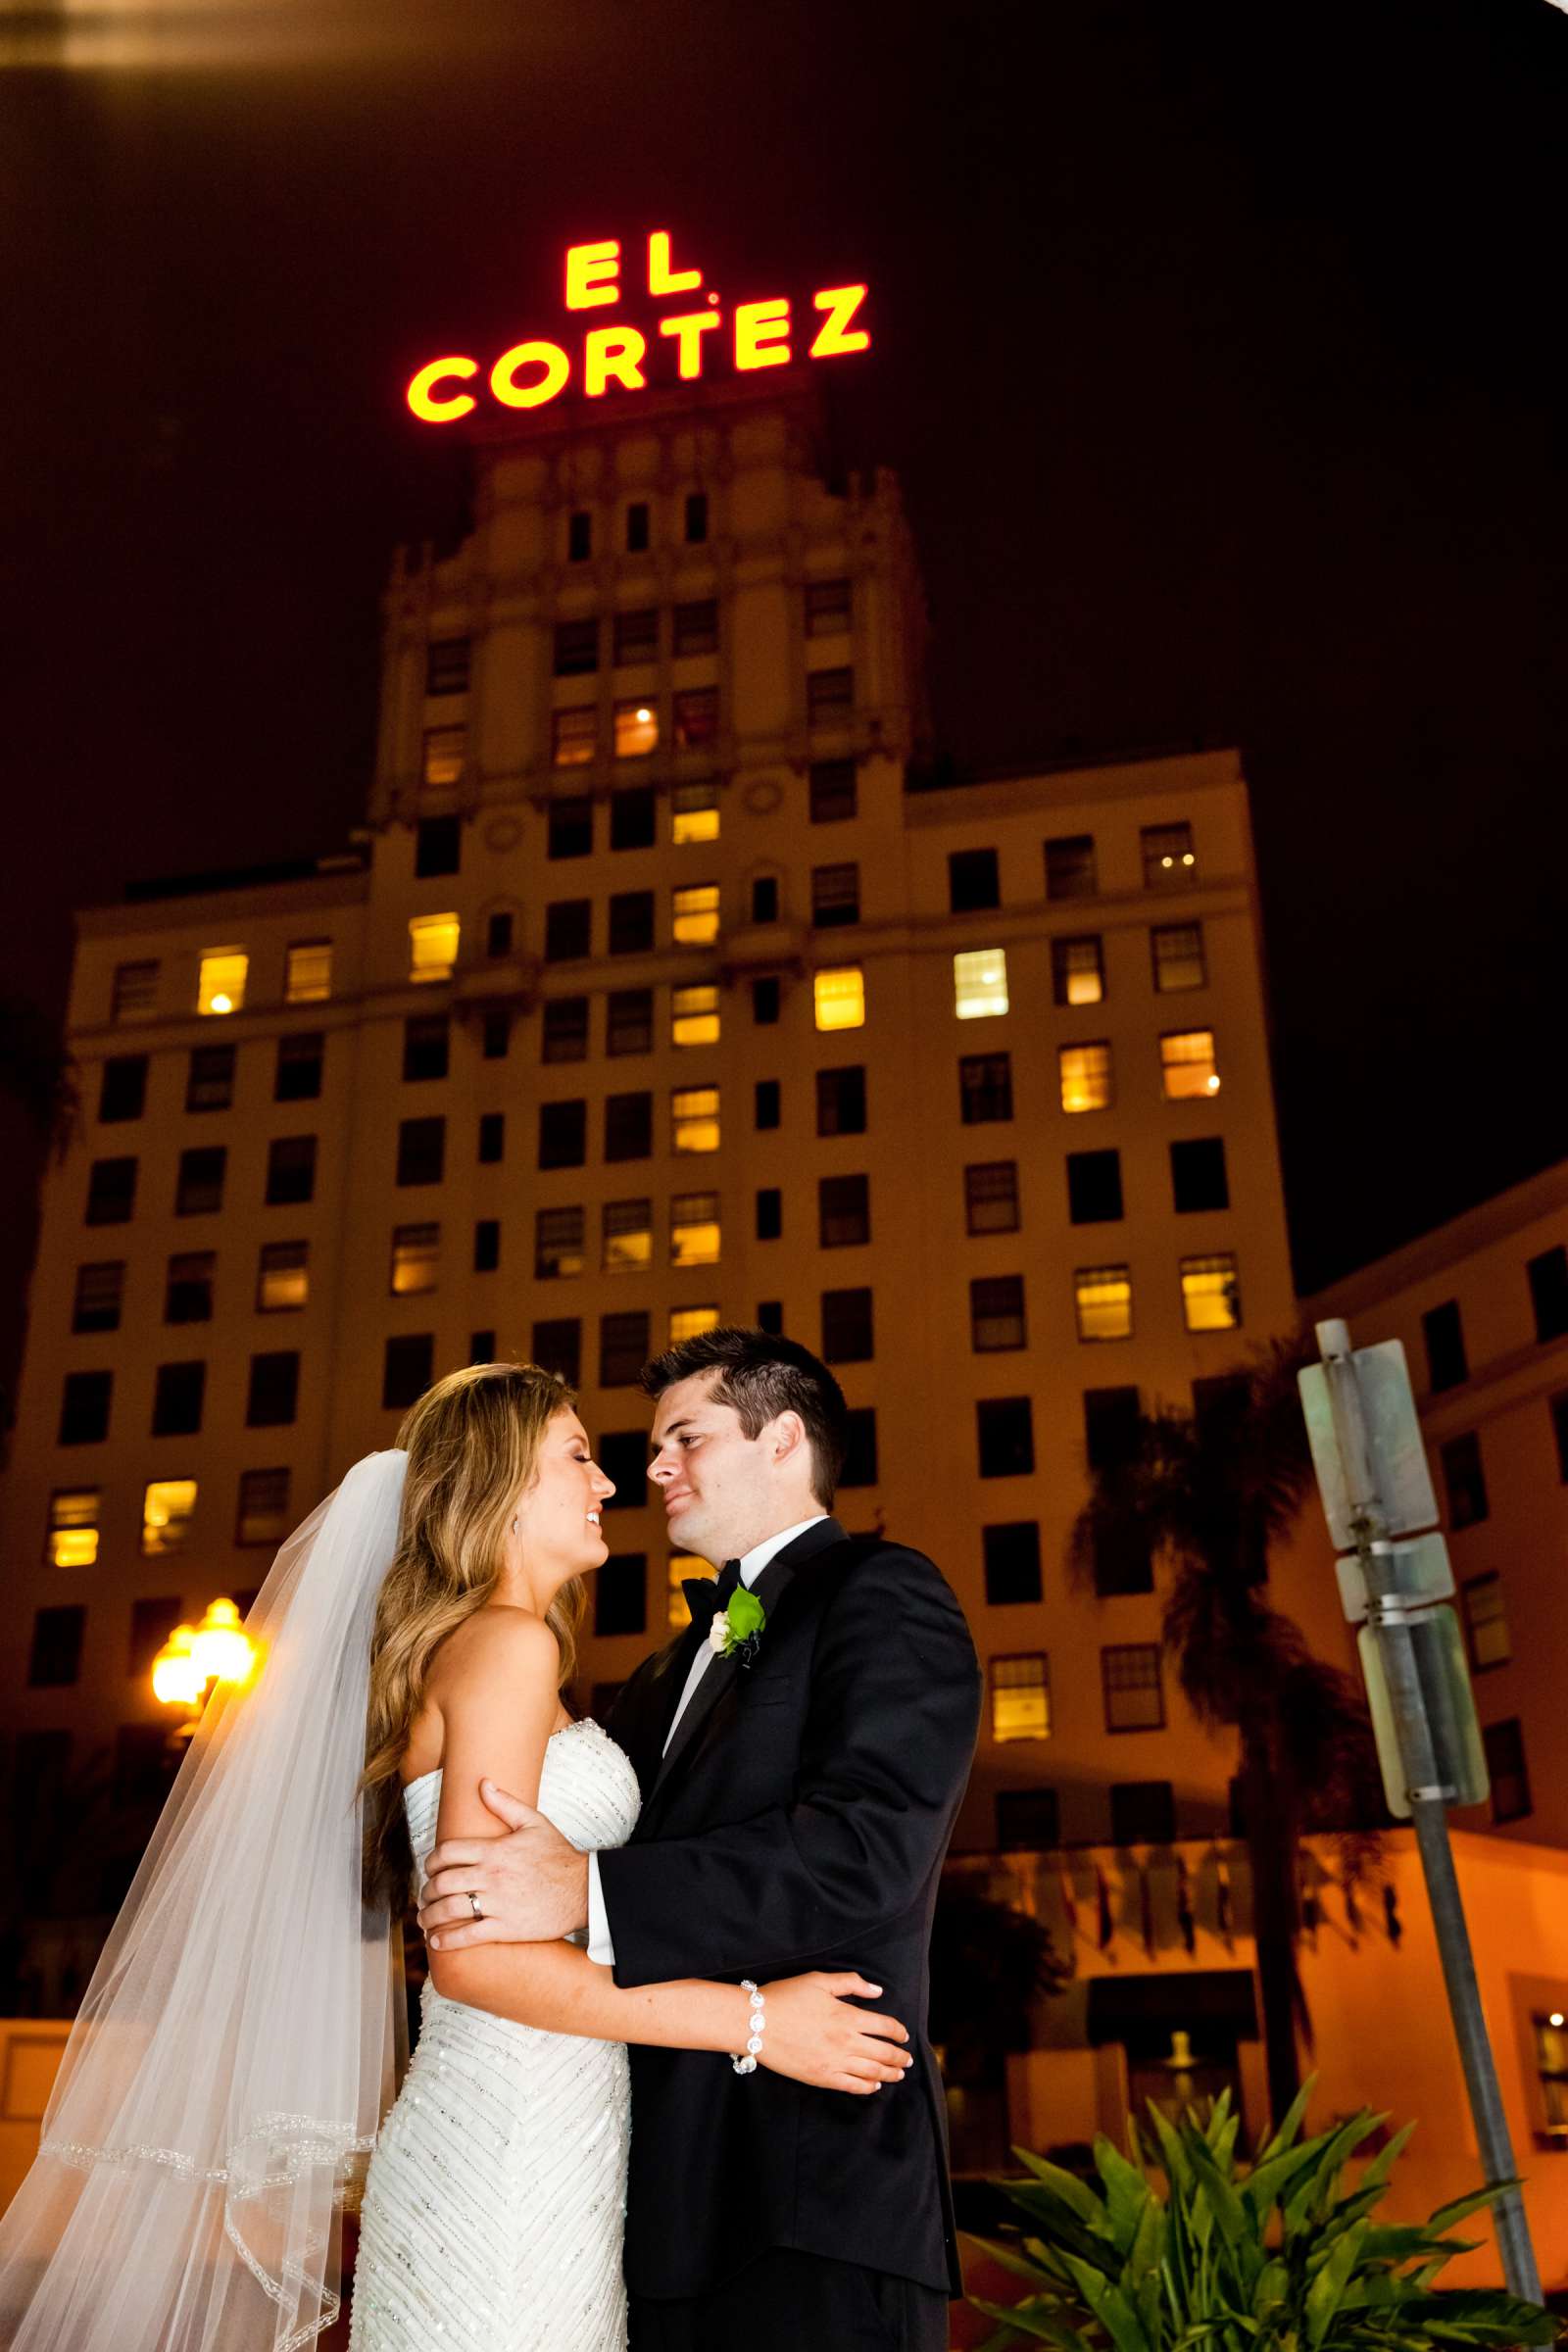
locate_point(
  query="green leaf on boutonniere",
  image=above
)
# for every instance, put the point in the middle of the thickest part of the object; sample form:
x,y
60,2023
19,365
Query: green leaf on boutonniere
x,y
746,1614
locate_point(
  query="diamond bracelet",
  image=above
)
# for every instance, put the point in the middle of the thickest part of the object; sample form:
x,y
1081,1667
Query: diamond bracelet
x,y
754,2043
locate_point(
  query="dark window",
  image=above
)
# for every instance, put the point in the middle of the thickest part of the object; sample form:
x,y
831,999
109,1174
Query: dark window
x,y
298,1075
770,1316
100,1289
764,910
990,1195
122,1088
1012,1562
844,1211
446,666
425,1046
571,830
1548,1276
833,787
84,1408
622,1348
629,1025
1143,1813
770,1213
495,1033
492,1138
996,1313
188,1295
1070,866
291,1169
973,882
151,1624
1506,1769
631,922
696,517
564,1035
841,1100
486,1245
1133,1686
568,929
576,648
437,847
697,627
835,896
829,698
765,1103
1559,1432
498,933
1179,959
846,1333
637,528
407,1369
198,1186
1444,1333
263,1513
558,1347
620,1595
1168,859
481,1346
827,607
636,636
1006,1429
177,1392
764,1002
111,1191
622,1456
1028,1820
557,1243
209,1078
57,1640
562,1135
1486,1621
634,817
275,1389
984,1088
1198,1176
628,1126
694,719
1077,970
421,1150
1465,1479
1111,1427
1094,1187
579,536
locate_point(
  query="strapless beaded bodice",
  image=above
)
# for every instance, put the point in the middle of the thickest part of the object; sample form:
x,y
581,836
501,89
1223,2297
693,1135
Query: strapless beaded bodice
x,y
587,1787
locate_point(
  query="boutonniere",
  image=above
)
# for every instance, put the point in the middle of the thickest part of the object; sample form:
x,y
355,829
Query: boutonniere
x,y
737,1631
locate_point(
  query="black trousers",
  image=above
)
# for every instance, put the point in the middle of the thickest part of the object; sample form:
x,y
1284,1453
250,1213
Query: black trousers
x,y
790,2302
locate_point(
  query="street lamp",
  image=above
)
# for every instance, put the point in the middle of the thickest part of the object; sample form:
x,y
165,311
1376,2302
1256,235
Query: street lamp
x,y
196,1656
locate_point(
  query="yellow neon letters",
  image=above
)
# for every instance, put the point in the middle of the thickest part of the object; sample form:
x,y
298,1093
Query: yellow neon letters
x,y
548,357
421,391
688,329
612,354
841,304
592,271
761,334
662,278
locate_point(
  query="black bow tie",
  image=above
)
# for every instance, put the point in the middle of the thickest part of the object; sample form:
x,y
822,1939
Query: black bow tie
x,y
705,1595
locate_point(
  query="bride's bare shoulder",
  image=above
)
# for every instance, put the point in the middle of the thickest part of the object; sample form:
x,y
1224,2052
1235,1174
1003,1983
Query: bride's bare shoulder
x,y
498,1643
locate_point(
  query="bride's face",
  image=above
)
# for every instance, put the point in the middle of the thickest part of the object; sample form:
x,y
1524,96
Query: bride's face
x,y
557,1519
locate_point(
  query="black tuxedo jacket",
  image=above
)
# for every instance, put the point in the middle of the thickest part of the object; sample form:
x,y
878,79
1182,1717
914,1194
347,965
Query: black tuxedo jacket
x,y
799,1821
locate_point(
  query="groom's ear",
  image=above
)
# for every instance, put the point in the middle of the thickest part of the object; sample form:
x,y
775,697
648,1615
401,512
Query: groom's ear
x,y
788,1435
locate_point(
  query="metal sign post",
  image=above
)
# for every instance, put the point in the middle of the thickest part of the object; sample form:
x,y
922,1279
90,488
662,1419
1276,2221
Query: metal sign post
x,y
1376,1489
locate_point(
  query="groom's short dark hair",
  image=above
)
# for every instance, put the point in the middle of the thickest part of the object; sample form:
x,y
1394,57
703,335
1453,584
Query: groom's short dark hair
x,y
761,1375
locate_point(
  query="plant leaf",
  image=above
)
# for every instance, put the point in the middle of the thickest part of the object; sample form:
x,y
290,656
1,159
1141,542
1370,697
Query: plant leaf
x,y
1034,2320
1074,2193
1128,2194
1323,2295
1457,2207
1290,2124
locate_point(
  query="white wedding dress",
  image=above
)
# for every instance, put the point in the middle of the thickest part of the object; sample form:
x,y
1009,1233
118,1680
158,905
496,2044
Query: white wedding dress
x,y
495,2204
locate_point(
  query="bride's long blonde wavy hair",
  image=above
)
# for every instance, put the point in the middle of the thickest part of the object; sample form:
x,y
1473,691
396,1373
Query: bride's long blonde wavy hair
x,y
472,1443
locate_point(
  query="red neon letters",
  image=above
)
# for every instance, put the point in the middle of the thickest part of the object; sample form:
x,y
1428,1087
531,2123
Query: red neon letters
x,y
756,335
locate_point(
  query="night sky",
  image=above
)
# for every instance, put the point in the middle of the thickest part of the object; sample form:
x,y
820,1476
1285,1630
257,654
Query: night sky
x,y
1219,349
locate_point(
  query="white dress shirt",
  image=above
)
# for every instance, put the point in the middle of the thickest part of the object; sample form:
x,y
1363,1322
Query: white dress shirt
x,y
753,1563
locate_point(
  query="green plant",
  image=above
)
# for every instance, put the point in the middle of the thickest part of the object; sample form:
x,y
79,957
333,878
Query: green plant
x,y
1241,2258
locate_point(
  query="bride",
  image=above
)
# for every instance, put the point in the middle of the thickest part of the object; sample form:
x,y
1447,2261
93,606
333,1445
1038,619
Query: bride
x,y
235,2058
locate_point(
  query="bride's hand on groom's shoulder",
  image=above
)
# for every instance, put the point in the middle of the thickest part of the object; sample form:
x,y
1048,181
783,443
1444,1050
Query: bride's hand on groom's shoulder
x,y
815,2035
530,1887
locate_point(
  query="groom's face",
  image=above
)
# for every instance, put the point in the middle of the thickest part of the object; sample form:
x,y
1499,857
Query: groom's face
x,y
711,1477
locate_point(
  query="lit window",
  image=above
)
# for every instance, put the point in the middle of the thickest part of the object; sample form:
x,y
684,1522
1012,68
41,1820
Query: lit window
x,y
1168,858
1077,971
1103,1299
1179,960
980,983
433,946
1085,1073
445,749
1551,2071
1134,1693
72,1528
167,1506
1187,1063
686,1322
263,1516
1211,1297
222,987
694,813
694,1016
308,972
628,1236
1485,1619
1020,1697
684,1568
839,995
694,915
284,1277
416,1259
574,736
136,993
694,1229
694,1116
636,729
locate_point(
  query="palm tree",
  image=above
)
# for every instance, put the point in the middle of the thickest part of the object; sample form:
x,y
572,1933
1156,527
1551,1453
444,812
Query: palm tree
x,y
1212,1491
36,1071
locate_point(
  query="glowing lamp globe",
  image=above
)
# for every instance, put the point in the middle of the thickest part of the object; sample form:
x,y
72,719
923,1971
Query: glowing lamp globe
x,y
222,1650
177,1677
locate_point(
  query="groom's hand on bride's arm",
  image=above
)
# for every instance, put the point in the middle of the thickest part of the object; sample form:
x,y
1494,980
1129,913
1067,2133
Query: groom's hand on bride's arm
x,y
531,1885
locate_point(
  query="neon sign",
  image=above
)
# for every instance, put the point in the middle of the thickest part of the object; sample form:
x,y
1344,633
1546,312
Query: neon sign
x,y
755,335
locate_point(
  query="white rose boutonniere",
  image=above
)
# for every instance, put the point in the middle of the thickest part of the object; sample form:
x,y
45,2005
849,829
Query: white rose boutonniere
x,y
736,1632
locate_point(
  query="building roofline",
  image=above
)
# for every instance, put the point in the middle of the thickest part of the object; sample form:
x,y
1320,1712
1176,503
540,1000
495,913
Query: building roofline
x,y
1489,1220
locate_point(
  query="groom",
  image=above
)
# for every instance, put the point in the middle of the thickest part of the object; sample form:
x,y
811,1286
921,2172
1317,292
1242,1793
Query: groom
x,y
797,1803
